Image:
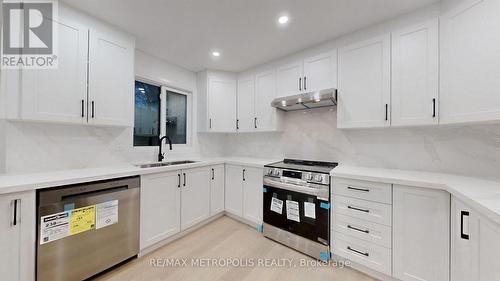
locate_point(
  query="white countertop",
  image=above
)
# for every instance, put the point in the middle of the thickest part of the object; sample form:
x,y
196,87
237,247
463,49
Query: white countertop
x,y
480,194
24,182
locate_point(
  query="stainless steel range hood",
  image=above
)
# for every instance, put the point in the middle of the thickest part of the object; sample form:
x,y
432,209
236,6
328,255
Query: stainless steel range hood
x,y
316,99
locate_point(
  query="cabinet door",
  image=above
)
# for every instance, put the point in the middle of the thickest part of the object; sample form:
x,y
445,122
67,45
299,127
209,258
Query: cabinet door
x,y
415,75
246,104
252,194
217,190
364,84
265,92
320,72
111,79
234,190
160,207
195,196
470,59
421,233
222,105
290,79
17,236
59,95
464,242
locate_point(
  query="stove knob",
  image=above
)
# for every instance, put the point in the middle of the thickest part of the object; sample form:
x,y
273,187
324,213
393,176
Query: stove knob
x,y
318,178
309,176
269,172
276,172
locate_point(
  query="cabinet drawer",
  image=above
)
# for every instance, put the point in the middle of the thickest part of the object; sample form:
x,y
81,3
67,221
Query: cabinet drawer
x,y
364,230
365,253
362,209
366,190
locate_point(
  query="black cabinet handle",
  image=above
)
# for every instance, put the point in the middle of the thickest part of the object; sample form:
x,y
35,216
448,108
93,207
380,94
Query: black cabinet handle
x,y
356,251
83,108
386,112
462,234
300,84
15,204
237,124
93,109
358,189
434,108
179,185
255,122
305,83
184,174
358,229
244,170
213,174
358,209
210,123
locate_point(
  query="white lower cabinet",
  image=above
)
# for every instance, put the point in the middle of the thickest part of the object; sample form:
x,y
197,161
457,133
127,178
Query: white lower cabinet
x,y
244,192
195,196
172,202
217,190
474,245
252,194
17,236
421,233
160,207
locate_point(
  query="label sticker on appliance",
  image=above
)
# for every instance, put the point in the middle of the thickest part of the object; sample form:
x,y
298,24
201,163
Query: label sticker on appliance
x,y
54,227
292,210
82,219
277,205
310,210
106,214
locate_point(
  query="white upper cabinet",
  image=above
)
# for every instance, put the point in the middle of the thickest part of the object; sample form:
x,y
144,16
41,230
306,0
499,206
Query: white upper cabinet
x,y
364,84
111,79
59,95
415,79
246,110
320,72
92,84
217,101
470,59
289,79
266,118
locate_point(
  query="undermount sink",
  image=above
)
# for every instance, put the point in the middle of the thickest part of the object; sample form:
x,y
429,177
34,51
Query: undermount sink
x,y
163,164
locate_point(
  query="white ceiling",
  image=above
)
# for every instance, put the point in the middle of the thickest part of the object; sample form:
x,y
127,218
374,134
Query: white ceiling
x,y
184,32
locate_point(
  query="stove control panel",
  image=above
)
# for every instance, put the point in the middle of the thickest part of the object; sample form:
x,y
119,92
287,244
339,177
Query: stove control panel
x,y
310,177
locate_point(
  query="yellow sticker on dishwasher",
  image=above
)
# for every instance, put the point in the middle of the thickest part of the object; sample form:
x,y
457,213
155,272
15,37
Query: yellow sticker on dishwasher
x,y
82,219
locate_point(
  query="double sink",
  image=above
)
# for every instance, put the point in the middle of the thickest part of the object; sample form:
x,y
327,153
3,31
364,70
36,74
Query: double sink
x,y
164,164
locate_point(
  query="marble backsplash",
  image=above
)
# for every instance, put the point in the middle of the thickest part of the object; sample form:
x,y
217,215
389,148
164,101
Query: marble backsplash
x,y
472,150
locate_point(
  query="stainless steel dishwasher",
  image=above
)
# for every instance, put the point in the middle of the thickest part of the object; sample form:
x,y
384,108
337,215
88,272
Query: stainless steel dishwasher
x,y
86,228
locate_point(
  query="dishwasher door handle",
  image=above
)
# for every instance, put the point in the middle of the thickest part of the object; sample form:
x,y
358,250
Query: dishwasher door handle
x,y
93,193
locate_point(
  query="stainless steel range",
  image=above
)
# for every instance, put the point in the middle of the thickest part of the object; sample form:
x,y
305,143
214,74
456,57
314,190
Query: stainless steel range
x,y
297,205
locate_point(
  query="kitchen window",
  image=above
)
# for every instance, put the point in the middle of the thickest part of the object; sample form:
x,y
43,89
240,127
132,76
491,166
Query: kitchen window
x,y
154,103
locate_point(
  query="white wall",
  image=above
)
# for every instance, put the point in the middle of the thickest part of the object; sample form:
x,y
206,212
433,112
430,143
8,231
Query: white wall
x,y
469,150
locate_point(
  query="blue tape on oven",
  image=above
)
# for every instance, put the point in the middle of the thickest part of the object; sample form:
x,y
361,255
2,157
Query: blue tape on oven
x,y
69,207
325,205
260,228
264,189
324,256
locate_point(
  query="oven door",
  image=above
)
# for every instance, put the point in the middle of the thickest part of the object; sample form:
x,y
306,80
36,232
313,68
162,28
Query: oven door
x,y
313,217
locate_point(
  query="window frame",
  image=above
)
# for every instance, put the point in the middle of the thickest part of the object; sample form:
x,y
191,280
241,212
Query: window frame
x,y
163,114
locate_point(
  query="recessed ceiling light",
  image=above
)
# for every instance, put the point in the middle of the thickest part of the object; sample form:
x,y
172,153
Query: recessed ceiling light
x,y
216,53
283,20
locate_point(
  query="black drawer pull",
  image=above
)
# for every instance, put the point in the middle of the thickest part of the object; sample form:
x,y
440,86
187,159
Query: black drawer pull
x,y
358,189
358,209
358,229
356,251
462,234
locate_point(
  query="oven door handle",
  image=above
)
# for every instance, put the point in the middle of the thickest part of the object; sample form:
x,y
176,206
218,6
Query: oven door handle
x,y
319,193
